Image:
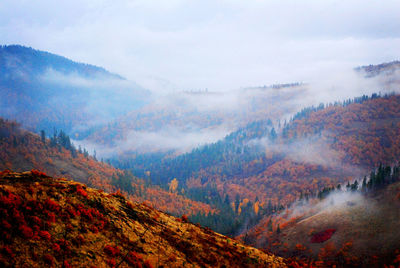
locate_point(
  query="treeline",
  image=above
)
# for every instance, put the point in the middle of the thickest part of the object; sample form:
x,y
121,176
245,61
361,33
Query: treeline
x,y
308,110
60,139
223,157
378,178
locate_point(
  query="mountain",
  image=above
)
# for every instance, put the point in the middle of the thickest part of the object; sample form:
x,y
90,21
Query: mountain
x,y
262,168
177,122
22,150
42,91
56,222
352,226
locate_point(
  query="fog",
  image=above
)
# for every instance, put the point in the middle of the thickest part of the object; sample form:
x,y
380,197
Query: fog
x,y
312,150
336,200
102,97
220,45
183,120
208,61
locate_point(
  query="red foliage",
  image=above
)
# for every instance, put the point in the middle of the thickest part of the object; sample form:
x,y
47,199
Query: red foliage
x,y
26,231
51,217
48,259
322,236
184,218
72,212
111,251
118,194
38,173
94,229
45,235
5,224
66,264
6,171
134,259
111,262
52,205
36,220
11,200
81,191
56,247
8,251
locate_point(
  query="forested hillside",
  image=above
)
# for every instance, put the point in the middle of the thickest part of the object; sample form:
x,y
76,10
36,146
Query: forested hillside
x,y
262,168
348,225
21,150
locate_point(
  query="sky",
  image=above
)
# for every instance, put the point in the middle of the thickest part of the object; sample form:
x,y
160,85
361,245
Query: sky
x,y
213,44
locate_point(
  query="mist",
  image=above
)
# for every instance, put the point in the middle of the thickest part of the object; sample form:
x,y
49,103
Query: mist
x,y
208,62
336,200
314,150
219,45
183,120
103,97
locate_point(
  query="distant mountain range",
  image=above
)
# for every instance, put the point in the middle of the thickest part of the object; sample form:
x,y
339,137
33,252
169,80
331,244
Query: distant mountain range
x,y
42,91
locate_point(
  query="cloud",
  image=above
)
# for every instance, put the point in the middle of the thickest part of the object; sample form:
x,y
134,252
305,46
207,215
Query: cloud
x,y
169,138
218,45
335,201
311,150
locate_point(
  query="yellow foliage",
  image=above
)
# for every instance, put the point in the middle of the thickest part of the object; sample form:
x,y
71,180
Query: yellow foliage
x,y
173,185
256,207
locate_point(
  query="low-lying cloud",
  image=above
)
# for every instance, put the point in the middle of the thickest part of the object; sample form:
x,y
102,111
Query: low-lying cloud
x,y
164,140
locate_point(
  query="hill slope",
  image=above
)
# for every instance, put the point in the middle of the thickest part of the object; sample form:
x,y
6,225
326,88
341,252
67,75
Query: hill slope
x,y
22,150
72,96
55,222
358,226
321,146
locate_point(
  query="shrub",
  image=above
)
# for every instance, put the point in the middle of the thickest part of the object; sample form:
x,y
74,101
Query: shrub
x,y
111,262
111,251
52,205
56,247
134,259
26,231
66,264
5,224
38,173
184,218
45,235
81,191
8,251
48,259
322,236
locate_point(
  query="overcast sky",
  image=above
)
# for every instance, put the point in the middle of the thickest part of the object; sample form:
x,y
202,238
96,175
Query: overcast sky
x,y
212,44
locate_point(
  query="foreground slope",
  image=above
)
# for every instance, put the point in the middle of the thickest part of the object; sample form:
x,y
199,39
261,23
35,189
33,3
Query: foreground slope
x,y
55,222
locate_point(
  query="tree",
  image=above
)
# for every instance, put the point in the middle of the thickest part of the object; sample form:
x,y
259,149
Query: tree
x,y
43,136
173,185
